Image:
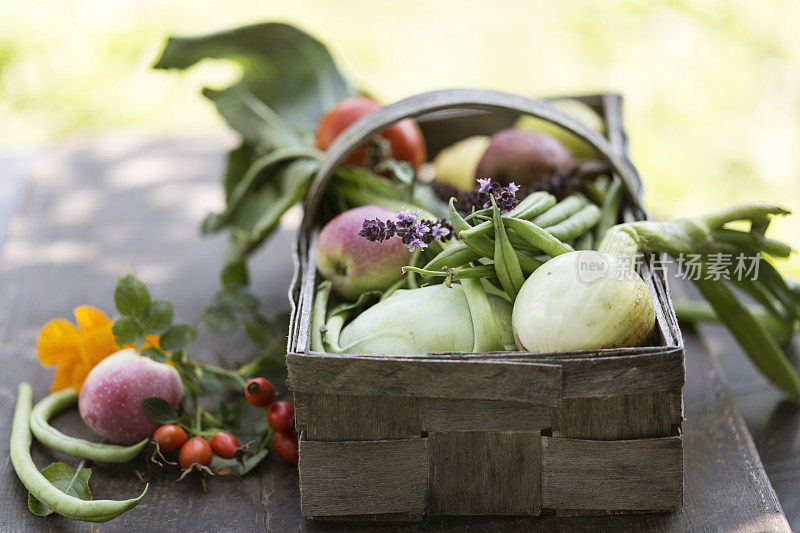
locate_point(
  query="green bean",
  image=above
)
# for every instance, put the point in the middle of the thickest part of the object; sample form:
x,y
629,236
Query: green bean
x,y
478,213
410,278
493,290
460,254
602,182
318,315
756,341
527,263
776,285
480,243
434,248
39,487
609,212
506,263
577,224
54,439
473,238
456,255
561,211
484,326
473,247
456,220
745,239
541,202
538,237
456,274
585,241
532,205
758,292
692,311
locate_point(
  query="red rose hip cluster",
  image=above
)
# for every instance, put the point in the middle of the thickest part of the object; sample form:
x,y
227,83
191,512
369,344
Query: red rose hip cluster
x,y
280,416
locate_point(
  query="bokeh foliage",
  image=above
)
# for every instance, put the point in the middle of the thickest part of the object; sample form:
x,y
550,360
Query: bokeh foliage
x,y
712,88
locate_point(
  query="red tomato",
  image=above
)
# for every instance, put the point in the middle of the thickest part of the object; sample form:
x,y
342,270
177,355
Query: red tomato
x,y
224,445
259,392
195,451
169,437
285,445
280,417
405,137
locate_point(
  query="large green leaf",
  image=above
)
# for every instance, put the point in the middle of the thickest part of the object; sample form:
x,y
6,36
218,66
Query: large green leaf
x,y
253,119
284,67
254,219
67,480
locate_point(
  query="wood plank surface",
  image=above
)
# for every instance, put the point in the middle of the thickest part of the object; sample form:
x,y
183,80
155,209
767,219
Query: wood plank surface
x,y
462,464
622,475
328,417
773,421
629,416
472,379
94,209
440,414
344,478
631,374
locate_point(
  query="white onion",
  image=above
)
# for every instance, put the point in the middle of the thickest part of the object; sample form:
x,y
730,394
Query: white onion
x,y
580,301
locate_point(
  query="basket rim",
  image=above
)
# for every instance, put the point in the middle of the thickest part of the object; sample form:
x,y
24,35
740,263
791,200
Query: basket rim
x,y
304,279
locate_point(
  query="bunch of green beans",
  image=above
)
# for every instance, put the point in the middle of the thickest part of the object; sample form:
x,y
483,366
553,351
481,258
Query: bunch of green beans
x,y
40,487
518,242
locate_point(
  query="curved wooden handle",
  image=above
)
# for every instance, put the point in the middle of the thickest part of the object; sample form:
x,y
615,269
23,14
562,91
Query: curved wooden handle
x,y
422,104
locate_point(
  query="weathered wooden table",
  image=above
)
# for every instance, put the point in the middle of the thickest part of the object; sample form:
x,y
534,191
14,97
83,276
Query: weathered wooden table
x,y
88,212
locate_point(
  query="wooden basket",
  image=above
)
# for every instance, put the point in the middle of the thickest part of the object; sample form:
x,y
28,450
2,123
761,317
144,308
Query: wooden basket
x,y
501,433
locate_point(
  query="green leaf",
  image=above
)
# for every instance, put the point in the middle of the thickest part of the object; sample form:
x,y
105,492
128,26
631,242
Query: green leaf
x,y
401,171
253,119
235,275
131,296
261,186
261,210
238,300
220,319
127,330
67,480
234,467
239,160
246,423
176,337
155,354
159,317
269,335
159,410
285,68
364,300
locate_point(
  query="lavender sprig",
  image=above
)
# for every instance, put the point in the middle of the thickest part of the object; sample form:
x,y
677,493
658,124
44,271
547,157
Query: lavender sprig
x,y
415,232
505,197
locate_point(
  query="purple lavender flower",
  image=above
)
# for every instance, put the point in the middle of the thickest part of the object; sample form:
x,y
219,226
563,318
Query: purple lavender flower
x,y
407,216
416,243
504,197
437,231
414,231
485,185
377,231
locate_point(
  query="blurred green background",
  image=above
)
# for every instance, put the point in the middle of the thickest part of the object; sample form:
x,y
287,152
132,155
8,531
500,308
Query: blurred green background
x,y
712,88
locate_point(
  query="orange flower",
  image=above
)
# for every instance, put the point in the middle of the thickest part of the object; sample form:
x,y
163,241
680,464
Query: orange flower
x,y
76,351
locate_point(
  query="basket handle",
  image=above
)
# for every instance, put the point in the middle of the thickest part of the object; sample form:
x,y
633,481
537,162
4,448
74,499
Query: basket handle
x,y
484,99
